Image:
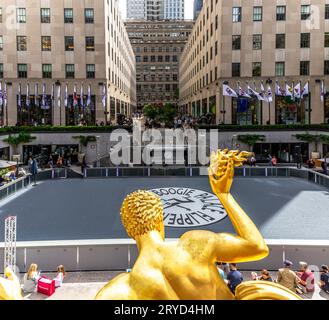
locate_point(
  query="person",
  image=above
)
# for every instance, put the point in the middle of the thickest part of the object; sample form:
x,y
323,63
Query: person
x,y
299,161
324,167
287,277
234,277
59,162
33,167
269,158
60,276
83,164
30,280
324,278
306,278
311,163
253,161
264,276
274,161
220,270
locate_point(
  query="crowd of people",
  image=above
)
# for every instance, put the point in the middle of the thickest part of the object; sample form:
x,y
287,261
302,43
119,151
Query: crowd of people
x,y
300,282
30,279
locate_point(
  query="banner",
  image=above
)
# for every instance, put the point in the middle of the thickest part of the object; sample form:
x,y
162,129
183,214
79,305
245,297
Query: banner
x,y
227,91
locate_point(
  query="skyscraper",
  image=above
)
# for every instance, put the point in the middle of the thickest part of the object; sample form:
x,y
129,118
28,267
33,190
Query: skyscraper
x,y
197,8
155,9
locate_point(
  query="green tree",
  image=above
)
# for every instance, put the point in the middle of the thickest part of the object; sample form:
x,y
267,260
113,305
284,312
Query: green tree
x,y
251,139
16,140
309,138
151,111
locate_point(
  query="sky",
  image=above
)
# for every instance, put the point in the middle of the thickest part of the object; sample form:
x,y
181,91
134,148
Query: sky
x,y
188,8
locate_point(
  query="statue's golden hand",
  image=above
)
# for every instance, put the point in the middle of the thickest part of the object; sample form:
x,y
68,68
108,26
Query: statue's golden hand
x,y
10,288
221,169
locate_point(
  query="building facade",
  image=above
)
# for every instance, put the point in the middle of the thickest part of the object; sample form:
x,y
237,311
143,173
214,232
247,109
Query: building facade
x,y
197,6
157,46
65,62
155,9
253,42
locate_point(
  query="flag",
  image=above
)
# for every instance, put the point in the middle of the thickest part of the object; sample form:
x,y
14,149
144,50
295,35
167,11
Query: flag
x,y
36,95
89,96
66,98
75,96
19,95
104,96
243,93
4,95
28,102
305,91
52,94
289,91
279,91
81,96
269,94
227,91
297,90
1,95
323,91
255,93
44,102
59,93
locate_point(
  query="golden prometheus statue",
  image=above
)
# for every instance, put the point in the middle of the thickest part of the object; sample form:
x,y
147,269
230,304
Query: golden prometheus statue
x,y
185,269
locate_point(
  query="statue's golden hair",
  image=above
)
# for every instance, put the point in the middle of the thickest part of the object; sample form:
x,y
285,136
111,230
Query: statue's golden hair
x,y
141,212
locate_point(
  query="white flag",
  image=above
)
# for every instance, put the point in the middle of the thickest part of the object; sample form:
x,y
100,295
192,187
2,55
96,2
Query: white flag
x,y
89,96
1,95
297,92
19,95
66,98
104,97
59,93
243,93
289,91
81,97
323,91
269,94
255,93
227,91
75,96
43,100
4,96
279,91
36,95
28,102
305,91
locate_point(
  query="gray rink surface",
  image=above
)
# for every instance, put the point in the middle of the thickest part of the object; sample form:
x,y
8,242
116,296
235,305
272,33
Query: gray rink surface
x,y
73,209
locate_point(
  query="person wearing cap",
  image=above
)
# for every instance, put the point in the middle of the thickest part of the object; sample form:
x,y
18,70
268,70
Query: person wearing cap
x,y
324,278
287,277
306,281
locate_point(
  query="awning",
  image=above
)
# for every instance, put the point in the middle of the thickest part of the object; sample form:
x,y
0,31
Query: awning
x,y
7,164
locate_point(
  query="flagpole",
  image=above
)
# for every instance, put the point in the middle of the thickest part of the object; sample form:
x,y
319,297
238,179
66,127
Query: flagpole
x,y
6,102
223,104
269,107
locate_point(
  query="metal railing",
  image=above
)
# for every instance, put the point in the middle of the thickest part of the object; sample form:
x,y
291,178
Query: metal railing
x,y
14,186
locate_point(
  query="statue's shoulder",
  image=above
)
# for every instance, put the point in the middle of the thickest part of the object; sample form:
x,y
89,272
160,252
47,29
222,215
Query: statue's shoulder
x,y
117,289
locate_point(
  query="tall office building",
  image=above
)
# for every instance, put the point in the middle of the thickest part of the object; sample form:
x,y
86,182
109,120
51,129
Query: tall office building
x,y
158,46
155,9
242,43
63,64
197,6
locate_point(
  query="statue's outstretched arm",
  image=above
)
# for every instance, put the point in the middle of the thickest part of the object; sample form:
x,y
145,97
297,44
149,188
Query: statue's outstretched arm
x,y
248,244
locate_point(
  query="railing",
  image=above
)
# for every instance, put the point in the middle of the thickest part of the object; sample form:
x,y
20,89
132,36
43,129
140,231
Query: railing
x,y
14,186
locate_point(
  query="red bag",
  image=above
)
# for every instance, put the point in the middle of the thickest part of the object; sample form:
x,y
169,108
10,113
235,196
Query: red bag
x,y
46,286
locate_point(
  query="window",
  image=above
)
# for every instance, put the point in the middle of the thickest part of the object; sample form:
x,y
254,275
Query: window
x,y
257,69
45,15
258,13
1,70
236,42
235,69
90,72
138,59
216,22
236,14
160,59
326,67
68,15
47,71
304,68
69,71
326,13
280,42
145,59
174,59
90,44
69,43
46,43
22,70
0,15
216,48
257,42
279,69
281,13
305,12
21,43
305,40
21,15
167,58
89,15
1,43
326,39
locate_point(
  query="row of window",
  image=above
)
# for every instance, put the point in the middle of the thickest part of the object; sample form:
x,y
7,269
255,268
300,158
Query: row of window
x,y
157,59
45,15
305,13
280,41
21,43
47,71
159,49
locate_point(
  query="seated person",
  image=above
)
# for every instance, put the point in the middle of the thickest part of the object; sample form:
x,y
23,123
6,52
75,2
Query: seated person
x,y
234,277
306,278
324,278
287,277
31,278
264,276
60,276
